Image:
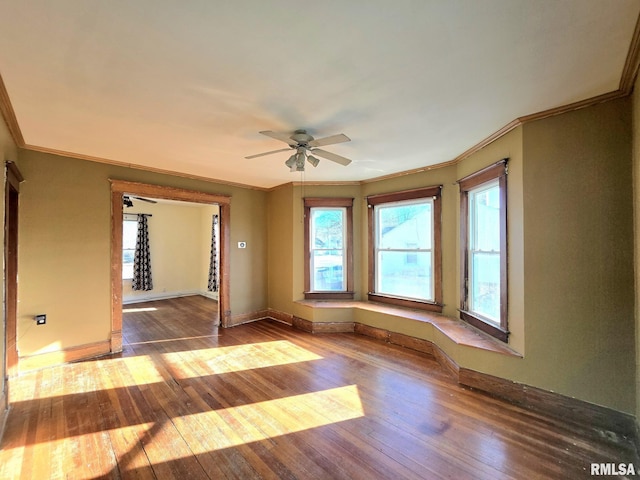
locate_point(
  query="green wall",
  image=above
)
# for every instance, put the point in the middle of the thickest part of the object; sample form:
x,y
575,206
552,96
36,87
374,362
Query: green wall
x,y
571,265
579,276
64,248
570,221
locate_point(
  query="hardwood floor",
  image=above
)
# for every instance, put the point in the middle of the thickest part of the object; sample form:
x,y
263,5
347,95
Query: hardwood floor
x,y
187,400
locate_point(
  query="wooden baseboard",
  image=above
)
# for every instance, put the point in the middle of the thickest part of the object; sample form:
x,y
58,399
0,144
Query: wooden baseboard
x,y
552,403
280,316
73,354
373,332
236,320
322,327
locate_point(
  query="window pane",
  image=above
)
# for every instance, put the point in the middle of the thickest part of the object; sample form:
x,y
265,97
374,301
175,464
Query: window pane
x,y
327,227
127,271
129,234
485,225
405,226
405,274
485,285
327,271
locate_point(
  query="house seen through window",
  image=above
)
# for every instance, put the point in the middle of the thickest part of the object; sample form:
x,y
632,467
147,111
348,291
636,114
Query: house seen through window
x,y
483,238
327,249
405,249
328,244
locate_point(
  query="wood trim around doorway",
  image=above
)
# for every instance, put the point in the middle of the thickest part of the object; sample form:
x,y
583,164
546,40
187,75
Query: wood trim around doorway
x,y
122,187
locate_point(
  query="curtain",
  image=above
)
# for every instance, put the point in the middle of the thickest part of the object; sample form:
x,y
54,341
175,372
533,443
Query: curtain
x,y
213,261
142,259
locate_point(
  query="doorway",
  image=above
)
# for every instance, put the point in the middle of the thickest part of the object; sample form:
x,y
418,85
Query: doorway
x,y
121,188
10,360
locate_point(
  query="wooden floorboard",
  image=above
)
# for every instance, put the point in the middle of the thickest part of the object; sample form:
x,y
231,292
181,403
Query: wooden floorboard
x,y
188,400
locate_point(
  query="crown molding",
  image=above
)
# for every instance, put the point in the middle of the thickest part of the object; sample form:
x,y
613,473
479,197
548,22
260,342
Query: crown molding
x,y
630,70
80,156
9,116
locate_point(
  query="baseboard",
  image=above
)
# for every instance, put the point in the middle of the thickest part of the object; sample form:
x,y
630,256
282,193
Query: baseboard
x,y
323,327
280,316
59,357
553,404
151,296
236,320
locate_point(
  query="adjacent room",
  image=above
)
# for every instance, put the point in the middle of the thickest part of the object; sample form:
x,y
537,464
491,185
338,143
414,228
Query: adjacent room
x,y
320,240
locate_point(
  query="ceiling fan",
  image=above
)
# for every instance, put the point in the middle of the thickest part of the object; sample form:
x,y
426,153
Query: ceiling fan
x,y
127,202
305,145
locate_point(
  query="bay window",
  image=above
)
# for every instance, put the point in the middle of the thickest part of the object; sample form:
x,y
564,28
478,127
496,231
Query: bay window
x,y
483,237
404,248
328,240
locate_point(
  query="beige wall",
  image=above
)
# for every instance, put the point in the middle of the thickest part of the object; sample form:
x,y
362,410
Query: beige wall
x,y
636,234
579,253
64,258
280,243
9,153
571,304
571,251
179,249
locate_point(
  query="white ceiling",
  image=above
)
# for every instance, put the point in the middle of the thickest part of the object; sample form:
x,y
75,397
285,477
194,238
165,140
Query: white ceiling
x,y
185,86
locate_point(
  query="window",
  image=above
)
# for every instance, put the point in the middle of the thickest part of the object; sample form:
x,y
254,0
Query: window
x,y
483,230
129,235
404,248
328,240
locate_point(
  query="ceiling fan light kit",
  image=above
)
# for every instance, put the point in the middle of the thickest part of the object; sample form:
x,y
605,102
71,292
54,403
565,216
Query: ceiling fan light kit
x,y
305,145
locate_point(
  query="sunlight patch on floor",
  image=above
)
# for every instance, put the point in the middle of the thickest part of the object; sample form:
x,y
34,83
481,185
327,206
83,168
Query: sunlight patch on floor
x,y
233,426
245,357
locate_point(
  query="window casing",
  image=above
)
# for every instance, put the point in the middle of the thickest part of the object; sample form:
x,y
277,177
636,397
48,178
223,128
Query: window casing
x,y
129,236
405,248
483,237
328,246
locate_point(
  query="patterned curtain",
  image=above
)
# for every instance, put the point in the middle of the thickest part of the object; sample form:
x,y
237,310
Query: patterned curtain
x,y
213,262
142,259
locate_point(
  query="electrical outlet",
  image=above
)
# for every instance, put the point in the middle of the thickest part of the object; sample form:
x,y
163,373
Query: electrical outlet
x,y
41,319
242,244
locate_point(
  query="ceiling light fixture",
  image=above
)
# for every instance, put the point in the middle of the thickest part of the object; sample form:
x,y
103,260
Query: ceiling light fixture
x,y
313,160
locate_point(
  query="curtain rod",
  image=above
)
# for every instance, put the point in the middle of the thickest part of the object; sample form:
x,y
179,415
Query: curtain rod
x,y
143,214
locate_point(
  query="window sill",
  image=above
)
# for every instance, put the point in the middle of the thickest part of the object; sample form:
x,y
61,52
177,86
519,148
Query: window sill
x,y
486,327
456,330
328,295
405,302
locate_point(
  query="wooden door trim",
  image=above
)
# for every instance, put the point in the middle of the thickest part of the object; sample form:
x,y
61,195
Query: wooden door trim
x,y
121,187
12,191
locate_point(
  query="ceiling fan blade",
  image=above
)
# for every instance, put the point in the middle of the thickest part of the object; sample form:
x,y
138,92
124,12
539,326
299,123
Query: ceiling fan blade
x,y
145,199
333,139
331,156
267,153
283,137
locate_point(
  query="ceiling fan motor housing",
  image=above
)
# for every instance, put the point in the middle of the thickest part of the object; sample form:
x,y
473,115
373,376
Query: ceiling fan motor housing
x,y
301,137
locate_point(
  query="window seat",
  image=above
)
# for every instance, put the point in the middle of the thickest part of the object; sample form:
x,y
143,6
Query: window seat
x,y
456,330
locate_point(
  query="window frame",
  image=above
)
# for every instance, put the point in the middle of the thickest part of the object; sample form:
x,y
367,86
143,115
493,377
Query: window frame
x,y
434,192
495,172
330,202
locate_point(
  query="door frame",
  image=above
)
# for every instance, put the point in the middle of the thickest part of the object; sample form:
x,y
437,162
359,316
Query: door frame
x,y
121,187
11,202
